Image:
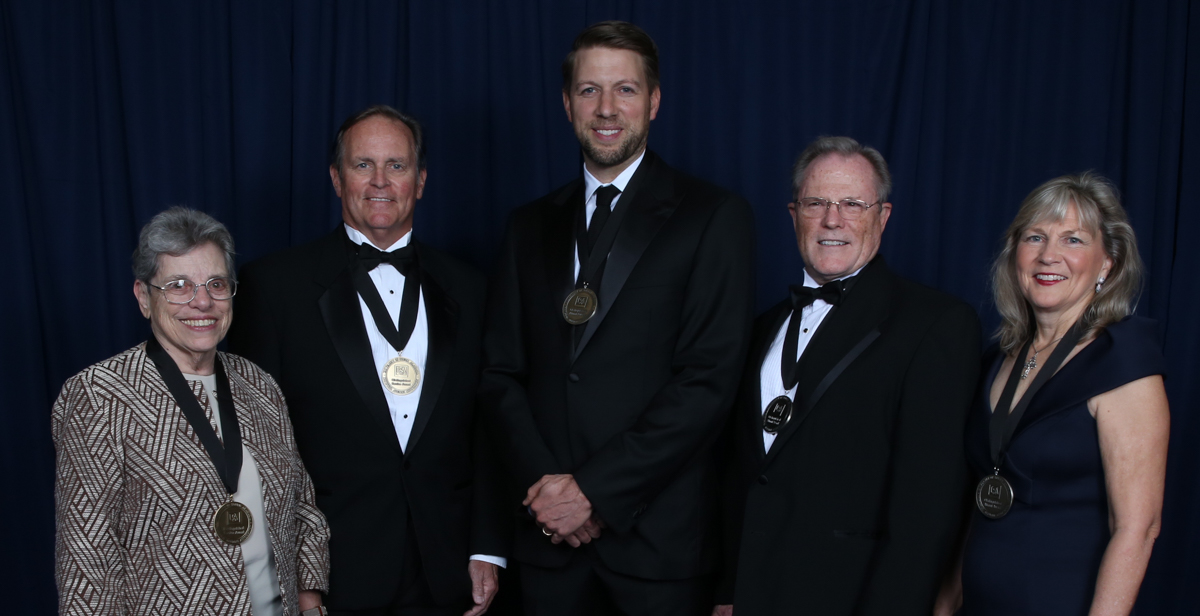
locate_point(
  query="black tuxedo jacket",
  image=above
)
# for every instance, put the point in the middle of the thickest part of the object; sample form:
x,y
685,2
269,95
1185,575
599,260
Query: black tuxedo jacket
x,y
634,410
855,508
298,316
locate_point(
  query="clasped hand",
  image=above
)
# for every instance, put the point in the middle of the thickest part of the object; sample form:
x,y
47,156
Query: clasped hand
x,y
562,510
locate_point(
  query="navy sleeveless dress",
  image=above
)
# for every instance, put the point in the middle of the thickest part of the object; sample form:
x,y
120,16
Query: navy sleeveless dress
x,y
1043,557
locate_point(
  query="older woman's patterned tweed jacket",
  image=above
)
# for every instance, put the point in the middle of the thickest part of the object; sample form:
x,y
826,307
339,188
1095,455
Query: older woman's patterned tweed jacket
x,y
135,492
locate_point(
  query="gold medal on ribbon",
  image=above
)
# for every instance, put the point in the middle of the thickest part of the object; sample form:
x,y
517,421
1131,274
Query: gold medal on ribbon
x,y
232,522
580,306
401,375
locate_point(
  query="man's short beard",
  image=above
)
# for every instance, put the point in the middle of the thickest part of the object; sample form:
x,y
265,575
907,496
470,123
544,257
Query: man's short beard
x,y
628,147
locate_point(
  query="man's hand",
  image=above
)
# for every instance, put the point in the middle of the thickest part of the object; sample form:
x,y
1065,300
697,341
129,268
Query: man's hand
x,y
485,583
584,534
560,507
722,610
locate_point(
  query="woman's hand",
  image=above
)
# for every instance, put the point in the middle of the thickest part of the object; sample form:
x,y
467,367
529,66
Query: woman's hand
x,y
309,599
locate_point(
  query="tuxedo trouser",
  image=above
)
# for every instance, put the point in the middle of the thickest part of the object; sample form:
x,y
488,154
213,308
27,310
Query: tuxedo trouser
x,y
585,586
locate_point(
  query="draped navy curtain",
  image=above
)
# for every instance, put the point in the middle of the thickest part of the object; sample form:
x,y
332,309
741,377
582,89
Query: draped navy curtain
x,y
111,111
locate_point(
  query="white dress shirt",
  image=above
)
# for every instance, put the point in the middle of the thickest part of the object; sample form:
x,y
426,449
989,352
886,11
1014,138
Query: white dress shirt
x,y
770,378
390,284
590,184
262,582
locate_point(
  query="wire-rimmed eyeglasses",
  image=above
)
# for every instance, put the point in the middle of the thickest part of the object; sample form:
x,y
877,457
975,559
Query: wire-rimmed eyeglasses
x,y
183,291
815,207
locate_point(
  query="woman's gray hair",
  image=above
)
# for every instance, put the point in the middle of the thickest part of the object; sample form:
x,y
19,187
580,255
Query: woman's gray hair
x,y
176,232
1099,209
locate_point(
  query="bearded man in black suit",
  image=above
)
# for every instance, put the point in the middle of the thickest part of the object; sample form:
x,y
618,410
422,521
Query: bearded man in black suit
x,y
848,474
617,325
374,339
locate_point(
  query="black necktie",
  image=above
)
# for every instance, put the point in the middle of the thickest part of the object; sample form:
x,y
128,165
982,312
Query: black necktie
x,y
604,199
802,297
402,259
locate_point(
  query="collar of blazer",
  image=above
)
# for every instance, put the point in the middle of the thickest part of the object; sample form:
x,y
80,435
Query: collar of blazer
x,y
843,335
651,197
348,332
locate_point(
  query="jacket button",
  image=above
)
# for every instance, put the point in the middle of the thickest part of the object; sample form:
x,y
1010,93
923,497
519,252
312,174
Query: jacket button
x,y
574,378
407,464
762,480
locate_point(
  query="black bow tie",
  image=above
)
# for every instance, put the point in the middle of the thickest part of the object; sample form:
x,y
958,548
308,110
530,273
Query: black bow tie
x,y
830,292
402,259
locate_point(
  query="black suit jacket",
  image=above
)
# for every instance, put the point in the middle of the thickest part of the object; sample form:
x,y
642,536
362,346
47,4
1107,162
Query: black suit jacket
x,y
633,412
855,508
298,316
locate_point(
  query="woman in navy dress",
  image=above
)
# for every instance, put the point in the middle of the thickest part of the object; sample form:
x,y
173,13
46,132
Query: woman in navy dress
x,y
1086,459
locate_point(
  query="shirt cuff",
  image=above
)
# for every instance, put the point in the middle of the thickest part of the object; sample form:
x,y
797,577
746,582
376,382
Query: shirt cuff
x,y
495,560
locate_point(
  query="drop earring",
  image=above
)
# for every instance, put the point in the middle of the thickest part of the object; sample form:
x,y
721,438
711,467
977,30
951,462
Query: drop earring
x,y
1099,284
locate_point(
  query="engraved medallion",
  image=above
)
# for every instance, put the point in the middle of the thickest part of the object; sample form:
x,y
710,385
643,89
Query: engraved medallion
x,y
580,306
994,496
232,522
401,375
777,414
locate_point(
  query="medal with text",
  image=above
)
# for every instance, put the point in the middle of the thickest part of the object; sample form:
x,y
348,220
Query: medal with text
x,y
232,523
401,375
580,306
777,414
994,496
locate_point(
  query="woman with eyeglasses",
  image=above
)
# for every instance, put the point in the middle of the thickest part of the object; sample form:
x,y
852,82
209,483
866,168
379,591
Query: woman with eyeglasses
x,y
1068,439
178,488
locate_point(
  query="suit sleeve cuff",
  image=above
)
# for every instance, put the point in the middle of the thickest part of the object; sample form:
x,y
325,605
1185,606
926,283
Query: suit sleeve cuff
x,y
495,560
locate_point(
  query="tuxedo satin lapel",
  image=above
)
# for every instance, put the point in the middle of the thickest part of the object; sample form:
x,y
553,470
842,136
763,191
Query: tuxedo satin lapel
x,y
861,313
651,199
441,314
344,321
753,402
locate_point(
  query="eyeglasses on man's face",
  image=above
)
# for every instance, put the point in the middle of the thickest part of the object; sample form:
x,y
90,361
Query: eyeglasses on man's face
x,y
815,207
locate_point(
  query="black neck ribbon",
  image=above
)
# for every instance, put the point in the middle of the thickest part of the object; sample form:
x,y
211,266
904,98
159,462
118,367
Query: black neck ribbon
x,y
396,335
226,459
1004,424
592,261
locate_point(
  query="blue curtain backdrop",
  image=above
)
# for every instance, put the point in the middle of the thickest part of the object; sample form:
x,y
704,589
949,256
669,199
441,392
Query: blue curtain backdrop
x,y
111,111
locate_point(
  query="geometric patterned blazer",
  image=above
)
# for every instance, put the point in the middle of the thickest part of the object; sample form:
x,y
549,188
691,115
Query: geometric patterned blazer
x,y
135,492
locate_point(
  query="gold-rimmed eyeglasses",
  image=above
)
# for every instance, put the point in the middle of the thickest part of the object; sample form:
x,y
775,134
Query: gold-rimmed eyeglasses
x,y
183,291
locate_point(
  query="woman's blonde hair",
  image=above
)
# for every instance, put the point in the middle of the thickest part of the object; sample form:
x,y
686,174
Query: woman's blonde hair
x,y
1099,209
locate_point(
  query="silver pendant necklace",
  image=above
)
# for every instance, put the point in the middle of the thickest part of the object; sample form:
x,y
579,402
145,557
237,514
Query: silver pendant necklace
x,y
1032,363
